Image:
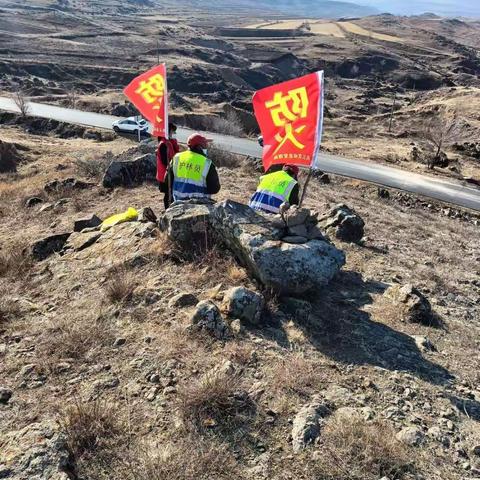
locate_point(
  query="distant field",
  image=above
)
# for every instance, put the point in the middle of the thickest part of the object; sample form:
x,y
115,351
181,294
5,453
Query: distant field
x,y
332,29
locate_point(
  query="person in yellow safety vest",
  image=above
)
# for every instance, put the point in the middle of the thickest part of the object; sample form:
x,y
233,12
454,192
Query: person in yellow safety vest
x,y
191,173
276,188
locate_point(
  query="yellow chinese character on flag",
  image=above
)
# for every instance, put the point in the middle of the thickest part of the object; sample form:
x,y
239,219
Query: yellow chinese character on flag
x,y
152,89
288,108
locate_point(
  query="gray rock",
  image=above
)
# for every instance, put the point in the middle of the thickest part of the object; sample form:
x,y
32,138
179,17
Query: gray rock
x,y
308,423
131,173
413,305
207,318
424,344
79,241
91,221
286,268
298,230
344,223
45,247
146,214
37,451
476,450
188,224
182,300
412,436
296,216
66,184
46,207
244,304
32,201
5,395
119,342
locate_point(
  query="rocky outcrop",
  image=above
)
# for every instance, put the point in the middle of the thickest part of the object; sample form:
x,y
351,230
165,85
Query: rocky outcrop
x,y
131,172
413,306
38,451
244,304
284,267
343,223
91,221
258,242
308,423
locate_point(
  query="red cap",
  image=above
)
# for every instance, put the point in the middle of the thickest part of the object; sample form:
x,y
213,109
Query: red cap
x,y
293,168
197,140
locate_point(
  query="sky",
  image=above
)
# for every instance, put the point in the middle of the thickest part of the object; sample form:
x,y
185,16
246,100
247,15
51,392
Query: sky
x,y
441,7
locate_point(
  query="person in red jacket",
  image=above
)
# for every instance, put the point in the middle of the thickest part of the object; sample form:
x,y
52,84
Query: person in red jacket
x,y
166,150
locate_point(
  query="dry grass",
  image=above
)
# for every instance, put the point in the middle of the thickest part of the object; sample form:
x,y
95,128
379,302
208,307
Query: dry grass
x,y
9,311
15,261
93,166
229,125
352,449
120,286
189,458
215,402
78,336
222,158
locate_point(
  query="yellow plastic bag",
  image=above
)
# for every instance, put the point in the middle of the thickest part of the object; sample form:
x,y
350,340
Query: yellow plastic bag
x,y
129,216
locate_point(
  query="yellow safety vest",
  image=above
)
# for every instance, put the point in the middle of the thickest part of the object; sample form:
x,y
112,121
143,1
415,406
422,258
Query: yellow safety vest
x,y
190,172
273,190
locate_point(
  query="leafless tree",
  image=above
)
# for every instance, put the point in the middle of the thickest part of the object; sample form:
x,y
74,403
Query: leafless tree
x,y
21,102
72,98
442,130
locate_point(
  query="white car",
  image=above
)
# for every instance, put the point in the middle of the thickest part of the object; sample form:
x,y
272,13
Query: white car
x,y
133,125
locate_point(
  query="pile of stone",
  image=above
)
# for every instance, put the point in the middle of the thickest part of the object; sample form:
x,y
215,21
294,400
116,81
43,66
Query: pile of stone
x,y
299,224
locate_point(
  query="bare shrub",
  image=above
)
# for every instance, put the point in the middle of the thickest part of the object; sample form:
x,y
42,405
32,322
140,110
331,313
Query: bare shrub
x,y
230,124
72,98
186,459
120,286
442,130
22,103
15,261
357,450
214,401
93,167
222,158
95,435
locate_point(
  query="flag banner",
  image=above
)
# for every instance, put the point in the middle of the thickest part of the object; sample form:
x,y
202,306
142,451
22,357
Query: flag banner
x,y
290,116
148,92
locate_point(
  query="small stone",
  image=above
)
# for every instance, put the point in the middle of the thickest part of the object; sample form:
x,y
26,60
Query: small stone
x,y
412,436
424,344
154,378
169,390
207,318
182,300
146,214
5,395
237,327
244,304
476,450
298,230
151,394
46,207
119,342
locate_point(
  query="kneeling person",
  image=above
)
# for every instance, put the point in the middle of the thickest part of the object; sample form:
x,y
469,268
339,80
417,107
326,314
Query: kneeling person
x,y
276,188
192,174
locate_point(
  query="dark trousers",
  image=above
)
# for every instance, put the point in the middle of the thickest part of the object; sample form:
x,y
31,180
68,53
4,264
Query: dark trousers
x,y
163,187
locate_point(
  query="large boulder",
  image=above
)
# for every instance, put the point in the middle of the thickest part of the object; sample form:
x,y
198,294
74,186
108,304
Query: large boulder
x,y
188,224
131,173
285,267
344,223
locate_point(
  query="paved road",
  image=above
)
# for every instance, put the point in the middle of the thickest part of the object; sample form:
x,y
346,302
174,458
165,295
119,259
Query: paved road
x,y
446,191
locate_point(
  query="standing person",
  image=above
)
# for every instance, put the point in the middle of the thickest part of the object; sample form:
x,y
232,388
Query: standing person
x,y
166,150
276,188
191,173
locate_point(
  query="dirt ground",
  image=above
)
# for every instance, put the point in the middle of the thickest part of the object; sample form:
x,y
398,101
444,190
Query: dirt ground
x,y
89,341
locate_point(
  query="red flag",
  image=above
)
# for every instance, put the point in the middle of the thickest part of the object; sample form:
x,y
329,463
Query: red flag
x,y
148,92
290,116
